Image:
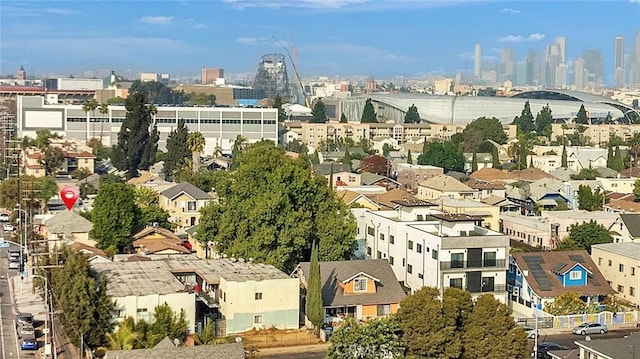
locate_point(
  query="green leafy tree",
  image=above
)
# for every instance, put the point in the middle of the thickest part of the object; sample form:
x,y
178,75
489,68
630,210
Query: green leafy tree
x,y
634,147
610,156
156,92
524,122
315,158
586,234
166,323
420,317
196,143
239,145
296,146
457,305
369,113
124,338
636,190
474,163
544,119
375,339
481,130
412,115
87,307
446,155
386,149
43,188
347,159
177,149
343,118
617,163
137,139
495,158
314,305
566,304
409,158
319,112
581,117
490,332
114,214
260,218
200,99
155,214
52,160
578,138
277,103
520,150
207,336
563,157
586,174
590,200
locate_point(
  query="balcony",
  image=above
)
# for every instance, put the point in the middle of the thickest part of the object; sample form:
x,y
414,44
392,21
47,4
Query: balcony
x,y
207,299
486,264
489,288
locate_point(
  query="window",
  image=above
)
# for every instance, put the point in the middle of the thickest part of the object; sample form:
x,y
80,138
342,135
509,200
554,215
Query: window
x,y
403,262
257,319
191,205
371,231
620,289
609,262
632,291
457,260
141,310
369,250
391,260
410,244
420,275
419,247
379,255
409,268
516,291
434,254
599,261
633,270
575,275
382,236
490,259
455,283
360,285
258,296
392,239
620,267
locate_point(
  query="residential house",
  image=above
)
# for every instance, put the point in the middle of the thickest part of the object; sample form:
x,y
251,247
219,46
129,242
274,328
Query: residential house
x,y
157,240
618,184
548,158
627,347
490,175
167,350
487,189
483,160
388,199
373,179
530,174
410,175
629,229
489,216
65,228
94,255
344,179
444,186
362,289
563,173
619,263
74,158
502,203
426,247
354,199
543,194
537,278
183,202
236,294
572,190
622,206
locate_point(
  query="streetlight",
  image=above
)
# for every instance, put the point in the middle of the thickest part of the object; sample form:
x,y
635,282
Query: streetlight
x,y
46,306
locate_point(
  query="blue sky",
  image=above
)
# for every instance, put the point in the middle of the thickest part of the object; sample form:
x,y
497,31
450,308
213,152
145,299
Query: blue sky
x,y
383,38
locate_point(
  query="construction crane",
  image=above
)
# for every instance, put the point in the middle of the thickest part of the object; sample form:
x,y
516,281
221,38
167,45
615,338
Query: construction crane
x,y
307,102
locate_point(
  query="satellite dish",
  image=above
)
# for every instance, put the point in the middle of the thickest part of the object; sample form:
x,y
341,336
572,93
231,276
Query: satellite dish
x,y
238,339
176,342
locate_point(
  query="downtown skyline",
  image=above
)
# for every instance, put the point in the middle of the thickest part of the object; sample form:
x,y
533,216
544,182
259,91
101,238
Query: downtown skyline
x,y
331,37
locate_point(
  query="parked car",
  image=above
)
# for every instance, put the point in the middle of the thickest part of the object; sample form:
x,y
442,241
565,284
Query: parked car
x,y
546,347
531,332
590,328
26,330
14,265
24,318
8,227
29,343
4,217
12,253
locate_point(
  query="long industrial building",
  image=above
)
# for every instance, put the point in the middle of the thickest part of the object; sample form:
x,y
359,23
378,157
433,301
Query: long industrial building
x,y
220,126
464,109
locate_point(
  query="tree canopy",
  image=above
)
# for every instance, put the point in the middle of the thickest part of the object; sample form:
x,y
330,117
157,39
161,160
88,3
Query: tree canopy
x,y
177,149
260,217
581,117
590,200
375,164
412,115
544,119
158,93
566,304
319,112
369,113
480,130
447,155
114,215
584,235
375,339
524,122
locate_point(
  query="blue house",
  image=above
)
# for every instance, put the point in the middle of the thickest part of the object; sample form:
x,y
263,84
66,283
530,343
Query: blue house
x,y
537,278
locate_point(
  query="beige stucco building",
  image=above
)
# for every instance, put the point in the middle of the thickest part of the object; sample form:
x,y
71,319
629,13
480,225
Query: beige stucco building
x,y
183,202
409,175
620,265
444,186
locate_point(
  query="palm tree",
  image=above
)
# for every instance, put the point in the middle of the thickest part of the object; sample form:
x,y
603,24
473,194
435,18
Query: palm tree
x,y
103,109
90,106
122,339
196,143
145,196
634,144
183,170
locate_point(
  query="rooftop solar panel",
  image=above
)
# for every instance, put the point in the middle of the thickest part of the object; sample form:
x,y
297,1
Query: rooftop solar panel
x,y
559,267
576,257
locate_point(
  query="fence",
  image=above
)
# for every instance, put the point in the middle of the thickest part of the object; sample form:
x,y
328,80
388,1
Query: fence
x,y
570,321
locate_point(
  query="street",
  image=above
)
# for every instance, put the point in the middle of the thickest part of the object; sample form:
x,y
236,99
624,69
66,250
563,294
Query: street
x,y
568,339
8,336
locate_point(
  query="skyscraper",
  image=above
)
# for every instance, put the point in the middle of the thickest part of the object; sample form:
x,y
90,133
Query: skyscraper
x,y
579,74
533,69
634,66
477,68
594,68
508,65
618,69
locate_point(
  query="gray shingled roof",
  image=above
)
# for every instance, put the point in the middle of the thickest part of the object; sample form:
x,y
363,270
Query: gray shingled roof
x,y
68,222
618,348
387,291
187,188
632,221
218,351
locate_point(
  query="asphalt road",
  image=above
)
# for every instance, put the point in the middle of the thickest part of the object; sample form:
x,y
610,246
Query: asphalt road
x,y
568,338
9,346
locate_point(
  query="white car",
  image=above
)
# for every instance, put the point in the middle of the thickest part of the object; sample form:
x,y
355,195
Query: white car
x,y
531,332
14,265
4,217
8,227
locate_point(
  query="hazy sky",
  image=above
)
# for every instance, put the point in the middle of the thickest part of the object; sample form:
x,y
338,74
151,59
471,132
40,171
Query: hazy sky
x,y
382,38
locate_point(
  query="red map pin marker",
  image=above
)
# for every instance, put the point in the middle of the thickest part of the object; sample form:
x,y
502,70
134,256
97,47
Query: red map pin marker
x,y
69,196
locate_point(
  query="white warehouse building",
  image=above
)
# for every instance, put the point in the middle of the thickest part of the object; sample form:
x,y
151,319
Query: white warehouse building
x,y
220,126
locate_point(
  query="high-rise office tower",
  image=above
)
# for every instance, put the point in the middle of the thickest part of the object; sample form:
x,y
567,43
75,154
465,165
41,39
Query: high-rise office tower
x,y
533,69
554,65
579,74
508,65
477,68
634,64
618,69
594,67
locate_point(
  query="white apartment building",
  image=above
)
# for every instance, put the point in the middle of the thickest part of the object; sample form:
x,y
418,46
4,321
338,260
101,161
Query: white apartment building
x,y
428,248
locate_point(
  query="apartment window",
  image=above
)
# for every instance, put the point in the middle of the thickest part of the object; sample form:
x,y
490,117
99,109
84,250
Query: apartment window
x,y
191,205
224,296
434,254
575,275
516,291
258,296
392,239
620,267
620,289
360,285
420,275
403,262
371,231
141,310
382,236
391,260
490,259
610,263
457,260
633,270
379,255
419,247
409,268
410,244
369,250
632,291
257,319
455,283
599,261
